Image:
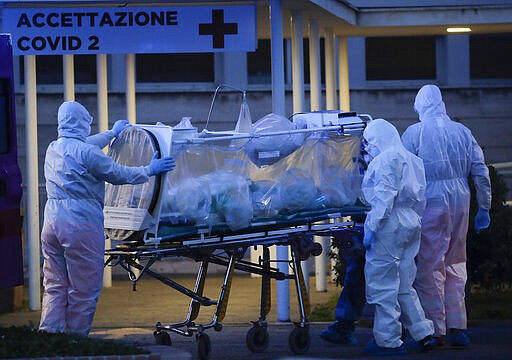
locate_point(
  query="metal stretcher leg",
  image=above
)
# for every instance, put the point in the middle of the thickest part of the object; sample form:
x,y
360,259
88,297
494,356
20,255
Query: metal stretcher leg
x,y
257,338
193,311
128,262
299,339
203,340
222,303
266,300
160,334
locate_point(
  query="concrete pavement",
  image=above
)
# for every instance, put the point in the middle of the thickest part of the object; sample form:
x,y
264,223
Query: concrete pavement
x,y
130,316
491,340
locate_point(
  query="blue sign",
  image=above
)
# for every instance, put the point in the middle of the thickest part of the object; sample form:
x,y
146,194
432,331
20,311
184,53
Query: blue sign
x,y
121,30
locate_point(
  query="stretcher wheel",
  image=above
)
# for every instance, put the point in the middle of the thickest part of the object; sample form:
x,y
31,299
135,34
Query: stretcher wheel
x,y
162,338
257,339
299,340
204,346
316,249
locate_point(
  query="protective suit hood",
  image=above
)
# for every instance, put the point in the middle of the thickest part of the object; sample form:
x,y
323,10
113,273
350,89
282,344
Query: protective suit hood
x,y
429,103
381,135
74,121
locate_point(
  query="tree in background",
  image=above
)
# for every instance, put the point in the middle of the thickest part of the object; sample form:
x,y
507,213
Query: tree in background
x,y
490,251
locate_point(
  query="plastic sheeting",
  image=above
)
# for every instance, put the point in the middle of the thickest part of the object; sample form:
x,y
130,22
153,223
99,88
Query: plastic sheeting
x,y
322,173
133,147
266,150
216,182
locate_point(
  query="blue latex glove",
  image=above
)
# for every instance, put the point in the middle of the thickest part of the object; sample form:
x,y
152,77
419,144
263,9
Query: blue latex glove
x,y
482,220
159,166
368,240
119,126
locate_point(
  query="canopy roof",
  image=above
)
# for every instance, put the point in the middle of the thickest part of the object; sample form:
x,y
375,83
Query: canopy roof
x,y
354,17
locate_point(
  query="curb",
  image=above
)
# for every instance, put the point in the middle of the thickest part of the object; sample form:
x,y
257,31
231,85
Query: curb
x,y
100,357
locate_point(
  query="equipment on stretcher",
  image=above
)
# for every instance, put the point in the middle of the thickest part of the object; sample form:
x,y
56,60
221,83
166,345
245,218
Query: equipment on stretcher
x,y
277,185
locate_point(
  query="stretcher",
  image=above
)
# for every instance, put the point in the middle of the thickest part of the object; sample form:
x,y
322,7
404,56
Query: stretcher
x,y
277,185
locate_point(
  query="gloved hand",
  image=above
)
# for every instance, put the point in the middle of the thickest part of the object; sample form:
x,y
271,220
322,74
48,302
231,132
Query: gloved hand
x,y
159,166
119,126
482,220
368,240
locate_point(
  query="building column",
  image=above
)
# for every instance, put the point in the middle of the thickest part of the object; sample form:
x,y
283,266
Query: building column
x,y
297,62
452,58
330,71
32,224
102,96
68,68
356,53
131,113
315,75
344,88
278,107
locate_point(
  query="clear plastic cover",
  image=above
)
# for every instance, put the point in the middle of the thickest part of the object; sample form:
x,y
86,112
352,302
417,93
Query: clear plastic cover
x,y
322,173
217,182
133,147
265,149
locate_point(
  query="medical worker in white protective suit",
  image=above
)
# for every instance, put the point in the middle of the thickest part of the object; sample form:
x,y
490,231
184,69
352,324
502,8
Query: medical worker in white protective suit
x,y
72,238
450,154
394,186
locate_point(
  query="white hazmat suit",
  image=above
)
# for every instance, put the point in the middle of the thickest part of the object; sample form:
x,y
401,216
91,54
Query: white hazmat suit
x,y
73,237
394,186
450,155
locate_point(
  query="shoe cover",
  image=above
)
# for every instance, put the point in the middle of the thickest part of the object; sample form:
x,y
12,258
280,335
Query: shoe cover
x,y
375,350
335,337
458,338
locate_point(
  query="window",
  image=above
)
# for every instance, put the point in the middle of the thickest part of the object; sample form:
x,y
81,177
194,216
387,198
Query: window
x,y
490,56
49,69
401,58
189,67
85,69
259,64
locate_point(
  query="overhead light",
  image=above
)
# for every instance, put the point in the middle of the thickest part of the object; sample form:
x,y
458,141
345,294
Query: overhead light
x,y
458,29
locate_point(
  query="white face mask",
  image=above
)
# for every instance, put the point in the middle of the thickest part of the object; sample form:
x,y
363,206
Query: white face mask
x,y
371,150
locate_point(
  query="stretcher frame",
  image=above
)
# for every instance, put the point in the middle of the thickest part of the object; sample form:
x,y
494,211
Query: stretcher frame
x,y
228,251
227,248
